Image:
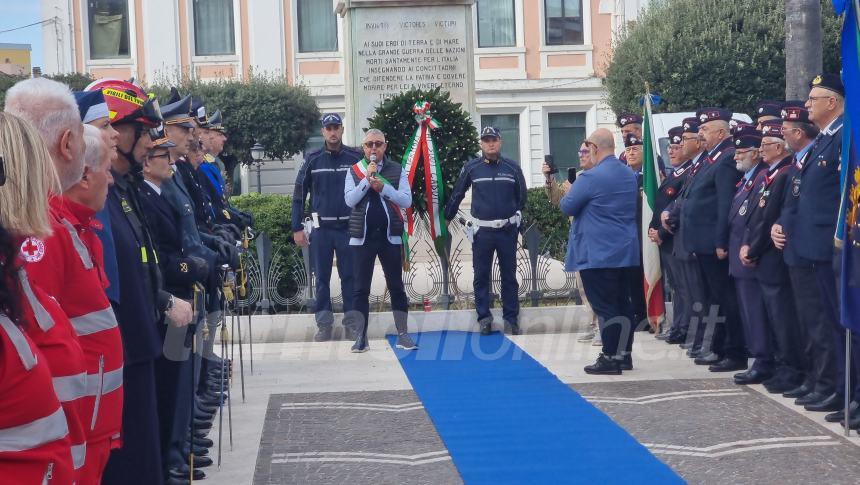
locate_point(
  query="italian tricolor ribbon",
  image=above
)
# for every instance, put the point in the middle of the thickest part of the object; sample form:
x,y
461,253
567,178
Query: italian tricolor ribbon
x,y
421,147
360,169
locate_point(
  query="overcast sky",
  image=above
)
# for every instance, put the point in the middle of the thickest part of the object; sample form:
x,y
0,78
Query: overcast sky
x,y
15,13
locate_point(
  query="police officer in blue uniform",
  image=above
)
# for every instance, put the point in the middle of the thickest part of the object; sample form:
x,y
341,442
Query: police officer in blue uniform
x,y
704,217
321,177
817,191
748,141
758,253
498,197
669,189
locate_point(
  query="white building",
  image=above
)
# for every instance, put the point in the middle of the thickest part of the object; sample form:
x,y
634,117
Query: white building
x,y
538,63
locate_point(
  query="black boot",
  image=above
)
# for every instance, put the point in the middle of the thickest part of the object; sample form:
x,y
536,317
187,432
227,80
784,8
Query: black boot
x,y
604,366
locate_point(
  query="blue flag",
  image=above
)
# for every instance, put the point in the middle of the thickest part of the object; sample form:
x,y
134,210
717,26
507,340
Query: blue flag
x,y
848,228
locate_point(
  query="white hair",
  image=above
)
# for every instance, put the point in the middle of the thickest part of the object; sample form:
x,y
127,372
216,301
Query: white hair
x,y
374,131
95,150
50,107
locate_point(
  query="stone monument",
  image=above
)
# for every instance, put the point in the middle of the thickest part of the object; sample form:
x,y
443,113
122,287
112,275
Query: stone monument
x,y
396,45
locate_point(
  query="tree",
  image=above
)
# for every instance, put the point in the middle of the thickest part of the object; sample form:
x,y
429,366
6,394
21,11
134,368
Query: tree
x,y
262,109
708,53
456,140
802,45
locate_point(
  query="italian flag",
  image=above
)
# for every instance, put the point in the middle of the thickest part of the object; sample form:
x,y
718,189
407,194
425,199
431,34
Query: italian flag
x,y
654,301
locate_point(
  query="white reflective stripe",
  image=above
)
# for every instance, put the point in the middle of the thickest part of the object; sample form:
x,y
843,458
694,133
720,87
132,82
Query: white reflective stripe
x,y
318,170
43,318
79,455
344,218
25,353
484,179
505,179
69,388
108,381
94,322
35,433
80,247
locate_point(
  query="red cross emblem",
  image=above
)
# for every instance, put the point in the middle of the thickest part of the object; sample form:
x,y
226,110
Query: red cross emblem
x,y
33,249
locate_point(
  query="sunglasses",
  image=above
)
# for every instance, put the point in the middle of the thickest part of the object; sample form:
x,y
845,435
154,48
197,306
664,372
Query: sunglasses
x,y
582,153
374,144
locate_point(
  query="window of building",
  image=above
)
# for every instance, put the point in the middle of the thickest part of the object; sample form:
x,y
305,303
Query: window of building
x,y
564,22
213,28
108,27
509,128
317,24
496,23
566,133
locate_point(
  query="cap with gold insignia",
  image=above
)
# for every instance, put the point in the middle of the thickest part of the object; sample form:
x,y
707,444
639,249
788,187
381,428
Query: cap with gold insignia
x,y
830,82
490,132
705,115
177,113
772,128
675,135
625,119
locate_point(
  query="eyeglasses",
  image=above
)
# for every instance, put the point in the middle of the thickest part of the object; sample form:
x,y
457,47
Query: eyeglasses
x,y
583,153
374,144
689,138
816,98
771,143
589,144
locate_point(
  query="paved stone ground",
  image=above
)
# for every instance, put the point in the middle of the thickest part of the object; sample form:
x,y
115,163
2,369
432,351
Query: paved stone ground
x,y
714,432
355,437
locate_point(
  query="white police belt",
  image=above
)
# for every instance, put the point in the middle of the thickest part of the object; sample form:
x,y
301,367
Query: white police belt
x,y
499,223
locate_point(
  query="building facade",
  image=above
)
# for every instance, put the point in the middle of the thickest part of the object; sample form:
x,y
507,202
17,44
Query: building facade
x,y
15,59
538,63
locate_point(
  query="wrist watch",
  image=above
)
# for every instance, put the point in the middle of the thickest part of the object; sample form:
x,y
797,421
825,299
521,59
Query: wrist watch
x,y
170,302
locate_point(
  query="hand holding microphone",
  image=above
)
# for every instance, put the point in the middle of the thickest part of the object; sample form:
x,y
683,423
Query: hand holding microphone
x,y
375,183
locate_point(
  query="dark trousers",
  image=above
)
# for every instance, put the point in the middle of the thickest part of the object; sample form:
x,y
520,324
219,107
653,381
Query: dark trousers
x,y
376,245
727,339
817,332
326,242
636,280
608,292
756,325
694,287
680,294
785,328
138,462
504,243
826,278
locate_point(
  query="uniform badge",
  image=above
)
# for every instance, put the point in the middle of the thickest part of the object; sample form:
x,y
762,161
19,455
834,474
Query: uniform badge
x,y
762,202
125,206
226,214
795,187
743,210
670,191
33,249
183,267
822,163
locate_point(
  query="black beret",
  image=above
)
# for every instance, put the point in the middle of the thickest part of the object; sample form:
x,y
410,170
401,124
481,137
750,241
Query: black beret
x,y
705,115
625,119
675,135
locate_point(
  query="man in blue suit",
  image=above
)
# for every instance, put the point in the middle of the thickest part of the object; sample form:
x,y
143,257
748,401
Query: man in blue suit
x,y
604,247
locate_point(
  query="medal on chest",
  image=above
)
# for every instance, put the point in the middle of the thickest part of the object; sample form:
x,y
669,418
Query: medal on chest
x,y
795,187
743,209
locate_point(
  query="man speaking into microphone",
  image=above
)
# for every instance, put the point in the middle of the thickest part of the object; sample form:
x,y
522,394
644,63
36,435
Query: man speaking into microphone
x,y
377,189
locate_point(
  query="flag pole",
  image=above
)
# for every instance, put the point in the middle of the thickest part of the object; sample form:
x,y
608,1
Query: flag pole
x,y
847,379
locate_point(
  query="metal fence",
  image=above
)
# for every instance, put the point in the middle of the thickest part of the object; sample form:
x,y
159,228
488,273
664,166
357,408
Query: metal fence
x,y
281,279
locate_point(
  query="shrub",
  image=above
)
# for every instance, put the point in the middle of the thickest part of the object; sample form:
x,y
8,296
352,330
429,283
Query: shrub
x,y
708,52
553,225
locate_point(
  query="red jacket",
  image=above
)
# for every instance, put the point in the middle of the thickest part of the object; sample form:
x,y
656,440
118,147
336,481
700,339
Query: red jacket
x,y
52,333
34,434
71,271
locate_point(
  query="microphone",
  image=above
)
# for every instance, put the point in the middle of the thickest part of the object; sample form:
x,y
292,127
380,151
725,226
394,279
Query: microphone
x,y
373,161
373,158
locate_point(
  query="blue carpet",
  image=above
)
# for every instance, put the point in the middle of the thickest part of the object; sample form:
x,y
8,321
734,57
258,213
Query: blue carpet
x,y
506,419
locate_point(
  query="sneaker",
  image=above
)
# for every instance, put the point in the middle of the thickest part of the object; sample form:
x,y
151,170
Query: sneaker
x,y
626,362
604,366
404,341
512,328
361,345
323,334
486,326
586,337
